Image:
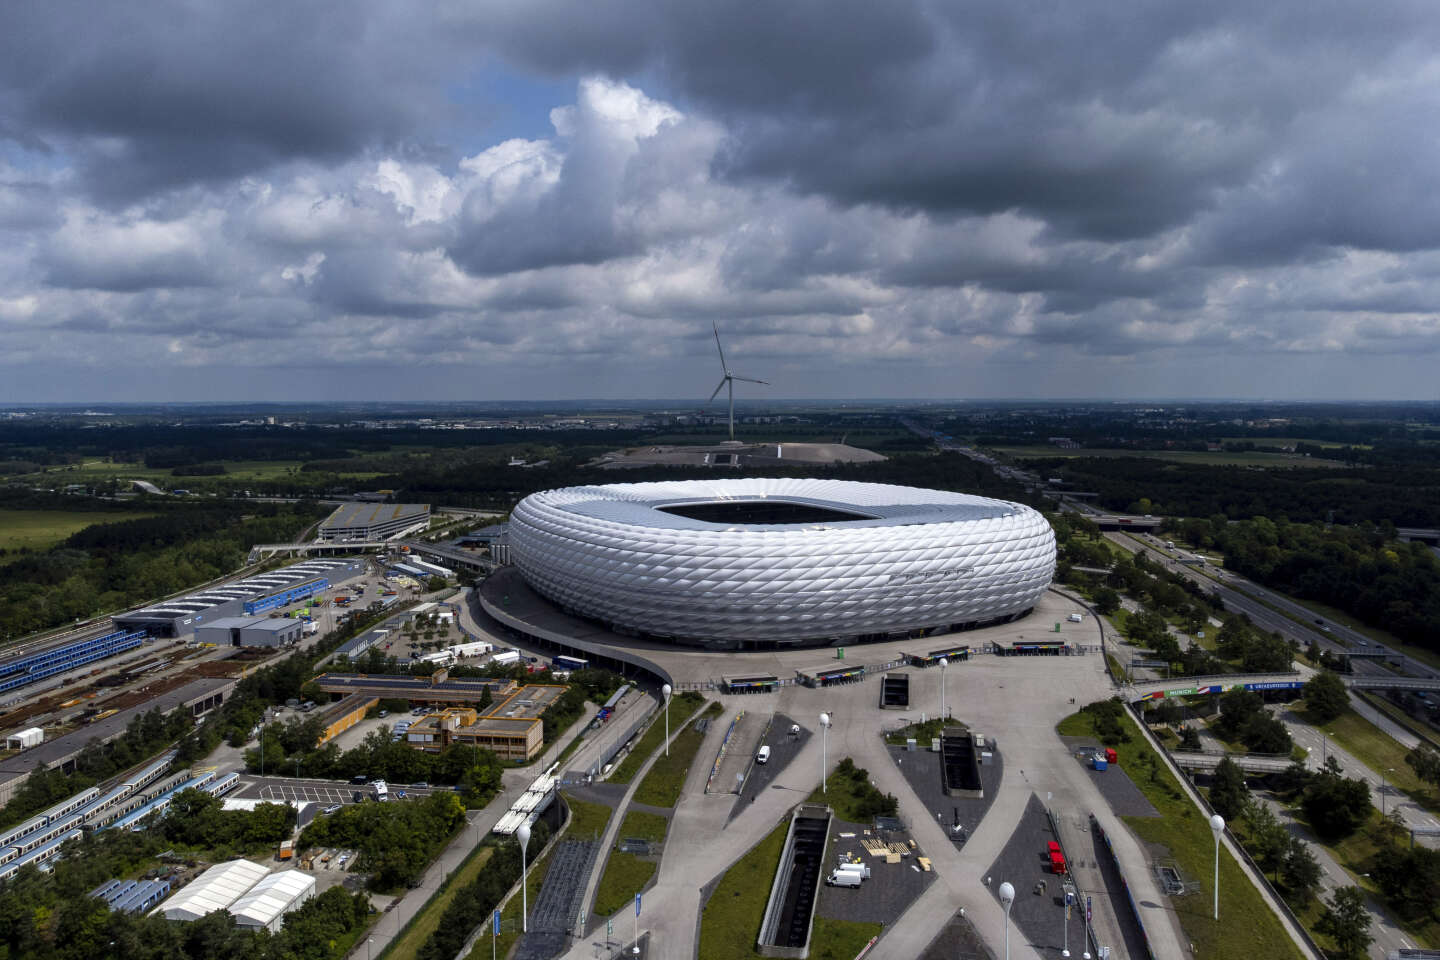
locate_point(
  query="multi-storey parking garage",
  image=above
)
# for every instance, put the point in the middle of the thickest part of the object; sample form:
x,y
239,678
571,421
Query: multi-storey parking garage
x,y
766,562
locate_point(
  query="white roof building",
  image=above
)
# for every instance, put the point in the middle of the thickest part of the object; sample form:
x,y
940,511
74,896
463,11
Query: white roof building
x,y
215,889
266,903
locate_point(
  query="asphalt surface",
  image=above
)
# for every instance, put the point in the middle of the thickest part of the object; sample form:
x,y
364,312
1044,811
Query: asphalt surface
x,y
922,771
958,940
1114,784
784,748
883,898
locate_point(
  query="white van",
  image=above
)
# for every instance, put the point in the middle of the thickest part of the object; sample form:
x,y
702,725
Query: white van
x,y
863,869
763,756
1076,618
843,878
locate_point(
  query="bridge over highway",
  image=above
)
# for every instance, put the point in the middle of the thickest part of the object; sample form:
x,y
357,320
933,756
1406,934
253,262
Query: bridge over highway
x,y
1250,763
439,553
1199,686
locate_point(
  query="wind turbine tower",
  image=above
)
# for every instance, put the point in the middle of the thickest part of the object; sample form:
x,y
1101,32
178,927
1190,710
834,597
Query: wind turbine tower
x,y
728,381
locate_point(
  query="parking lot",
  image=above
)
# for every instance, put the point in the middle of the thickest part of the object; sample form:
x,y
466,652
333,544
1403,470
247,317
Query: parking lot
x,y
324,792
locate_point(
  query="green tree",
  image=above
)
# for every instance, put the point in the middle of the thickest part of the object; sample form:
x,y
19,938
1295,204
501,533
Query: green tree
x,y
1336,806
1347,921
1425,761
1228,793
1107,601
1265,836
1299,870
1325,697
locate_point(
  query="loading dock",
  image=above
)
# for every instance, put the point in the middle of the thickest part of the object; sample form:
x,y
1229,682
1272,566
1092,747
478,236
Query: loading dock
x,y
895,691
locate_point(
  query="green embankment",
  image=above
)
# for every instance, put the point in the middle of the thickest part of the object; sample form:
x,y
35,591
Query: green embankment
x,y
1249,928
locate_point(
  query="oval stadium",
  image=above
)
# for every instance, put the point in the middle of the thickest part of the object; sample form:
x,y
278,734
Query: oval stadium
x,y
761,563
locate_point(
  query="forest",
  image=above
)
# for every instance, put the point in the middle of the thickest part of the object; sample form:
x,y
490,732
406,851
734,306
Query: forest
x,y
112,566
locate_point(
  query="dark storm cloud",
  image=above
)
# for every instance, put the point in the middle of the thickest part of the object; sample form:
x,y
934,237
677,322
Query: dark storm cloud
x,y
155,94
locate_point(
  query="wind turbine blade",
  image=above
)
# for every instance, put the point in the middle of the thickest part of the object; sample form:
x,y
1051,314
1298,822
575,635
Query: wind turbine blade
x,y
717,390
748,380
720,348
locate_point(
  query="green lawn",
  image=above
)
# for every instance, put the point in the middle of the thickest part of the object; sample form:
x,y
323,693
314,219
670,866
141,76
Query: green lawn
x,y
625,873
510,914
427,921
730,922
843,795
662,785
1382,754
587,819
1249,929
682,708
1395,713
42,529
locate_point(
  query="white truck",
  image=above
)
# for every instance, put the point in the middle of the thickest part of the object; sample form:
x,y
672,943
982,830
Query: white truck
x,y
843,878
382,790
506,657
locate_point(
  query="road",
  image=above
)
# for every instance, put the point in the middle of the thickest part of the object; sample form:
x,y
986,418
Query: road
x,y
1385,796
1383,927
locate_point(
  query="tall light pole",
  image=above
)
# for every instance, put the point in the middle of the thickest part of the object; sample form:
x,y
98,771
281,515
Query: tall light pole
x,y
665,694
1217,826
1065,950
1382,789
824,750
943,664
1007,897
523,835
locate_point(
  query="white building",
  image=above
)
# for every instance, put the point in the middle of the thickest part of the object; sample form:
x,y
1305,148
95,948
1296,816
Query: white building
x,y
215,889
25,739
264,905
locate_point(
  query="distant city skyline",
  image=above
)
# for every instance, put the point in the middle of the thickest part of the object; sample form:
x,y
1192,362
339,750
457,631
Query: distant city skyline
x,y
549,200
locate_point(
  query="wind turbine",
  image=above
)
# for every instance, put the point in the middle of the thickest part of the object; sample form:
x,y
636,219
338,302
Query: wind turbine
x,y
728,381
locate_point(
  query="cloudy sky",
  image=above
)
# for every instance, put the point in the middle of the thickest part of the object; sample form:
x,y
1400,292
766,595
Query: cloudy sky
x,y
525,199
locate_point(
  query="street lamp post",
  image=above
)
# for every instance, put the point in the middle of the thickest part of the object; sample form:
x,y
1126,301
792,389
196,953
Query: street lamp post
x,y
665,693
1065,938
1383,785
824,750
1217,826
1007,897
943,664
369,947
523,834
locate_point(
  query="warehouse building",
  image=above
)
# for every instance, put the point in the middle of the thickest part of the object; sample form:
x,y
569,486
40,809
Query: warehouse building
x,y
344,714
436,689
374,521
182,616
263,907
215,889
250,632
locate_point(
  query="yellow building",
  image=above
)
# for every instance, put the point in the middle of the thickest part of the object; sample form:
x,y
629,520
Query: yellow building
x,y
344,714
512,727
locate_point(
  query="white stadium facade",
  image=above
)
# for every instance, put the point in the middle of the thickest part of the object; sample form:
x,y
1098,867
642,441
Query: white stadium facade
x,y
760,563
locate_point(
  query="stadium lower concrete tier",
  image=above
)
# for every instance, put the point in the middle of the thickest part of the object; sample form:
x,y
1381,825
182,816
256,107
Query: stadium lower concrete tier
x,y
505,610
756,563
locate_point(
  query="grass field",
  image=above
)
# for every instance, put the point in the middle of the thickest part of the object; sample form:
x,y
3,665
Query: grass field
x,y
1400,716
1249,458
427,921
681,709
625,873
662,785
730,922
42,529
587,820
1249,929
842,794
1382,754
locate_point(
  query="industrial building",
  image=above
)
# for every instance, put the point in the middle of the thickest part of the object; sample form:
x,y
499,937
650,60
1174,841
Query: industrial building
x,y
344,714
253,595
263,906
25,739
437,689
250,632
374,521
512,727
215,889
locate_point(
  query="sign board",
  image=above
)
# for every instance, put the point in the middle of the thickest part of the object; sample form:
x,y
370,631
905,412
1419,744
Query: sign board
x,y
637,904
497,923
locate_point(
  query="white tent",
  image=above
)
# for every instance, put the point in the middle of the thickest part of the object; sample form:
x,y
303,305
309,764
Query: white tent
x,y
25,739
266,903
215,889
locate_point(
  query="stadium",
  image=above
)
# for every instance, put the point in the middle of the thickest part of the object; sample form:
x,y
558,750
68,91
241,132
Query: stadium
x,y
762,563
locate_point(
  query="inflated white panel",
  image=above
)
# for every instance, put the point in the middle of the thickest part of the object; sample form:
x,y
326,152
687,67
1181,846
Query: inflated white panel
x,y
919,558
